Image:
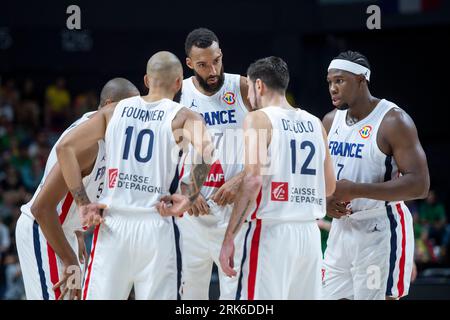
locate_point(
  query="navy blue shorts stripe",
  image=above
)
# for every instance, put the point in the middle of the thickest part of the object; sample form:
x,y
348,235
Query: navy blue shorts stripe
x,y
388,172
244,256
393,255
37,252
176,179
179,260
172,189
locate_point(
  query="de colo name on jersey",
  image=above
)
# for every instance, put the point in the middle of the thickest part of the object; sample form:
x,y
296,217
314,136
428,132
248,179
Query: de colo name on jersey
x,y
297,126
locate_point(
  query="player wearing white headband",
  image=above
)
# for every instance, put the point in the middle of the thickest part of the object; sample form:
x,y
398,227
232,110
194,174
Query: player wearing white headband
x,y
379,163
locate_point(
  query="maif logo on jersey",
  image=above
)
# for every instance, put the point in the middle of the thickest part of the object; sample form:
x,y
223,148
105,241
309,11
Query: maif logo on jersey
x,y
216,177
365,132
112,176
229,98
279,191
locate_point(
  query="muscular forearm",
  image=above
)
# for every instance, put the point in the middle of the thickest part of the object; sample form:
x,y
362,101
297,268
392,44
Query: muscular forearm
x,y
198,176
51,227
246,196
406,187
80,235
71,171
237,179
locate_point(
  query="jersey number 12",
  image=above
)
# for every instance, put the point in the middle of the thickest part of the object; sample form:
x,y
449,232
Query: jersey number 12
x,y
312,150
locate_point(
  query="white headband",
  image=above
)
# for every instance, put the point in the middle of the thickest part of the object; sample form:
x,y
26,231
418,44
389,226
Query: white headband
x,y
350,67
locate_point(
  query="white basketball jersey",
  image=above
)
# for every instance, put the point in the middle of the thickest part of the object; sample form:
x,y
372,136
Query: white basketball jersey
x,y
142,154
356,155
224,114
293,181
93,182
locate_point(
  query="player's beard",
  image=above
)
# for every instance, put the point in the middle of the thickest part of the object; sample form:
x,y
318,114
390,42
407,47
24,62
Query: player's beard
x,y
211,88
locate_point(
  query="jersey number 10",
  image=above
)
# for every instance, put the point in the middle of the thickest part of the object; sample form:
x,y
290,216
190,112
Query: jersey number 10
x,y
137,151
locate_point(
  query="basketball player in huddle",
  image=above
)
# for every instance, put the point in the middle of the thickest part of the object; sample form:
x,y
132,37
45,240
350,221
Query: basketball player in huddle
x,y
49,235
221,99
282,257
379,163
143,138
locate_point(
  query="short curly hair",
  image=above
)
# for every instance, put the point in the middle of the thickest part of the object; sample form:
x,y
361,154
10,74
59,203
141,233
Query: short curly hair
x,y
201,38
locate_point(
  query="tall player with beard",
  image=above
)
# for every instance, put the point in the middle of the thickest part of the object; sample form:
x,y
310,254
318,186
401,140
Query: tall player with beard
x,y
379,163
221,98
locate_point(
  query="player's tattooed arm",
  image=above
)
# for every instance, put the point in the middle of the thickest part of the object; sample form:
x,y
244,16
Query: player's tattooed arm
x,y
80,196
242,216
198,177
203,151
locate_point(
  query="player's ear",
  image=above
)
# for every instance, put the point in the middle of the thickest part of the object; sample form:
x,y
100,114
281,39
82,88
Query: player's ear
x,y
146,81
189,63
178,83
362,80
259,85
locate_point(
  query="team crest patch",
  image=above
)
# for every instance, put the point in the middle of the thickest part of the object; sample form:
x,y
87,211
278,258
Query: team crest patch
x,y
112,175
229,98
279,191
365,132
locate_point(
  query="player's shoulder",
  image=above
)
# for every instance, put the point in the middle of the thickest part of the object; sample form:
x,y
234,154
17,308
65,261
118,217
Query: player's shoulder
x,y
187,84
309,116
107,111
185,113
187,80
88,115
396,116
188,89
233,80
328,119
396,123
243,84
257,119
232,75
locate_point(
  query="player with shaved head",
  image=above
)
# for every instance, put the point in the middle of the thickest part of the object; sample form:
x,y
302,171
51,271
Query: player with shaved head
x,y
48,233
134,242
